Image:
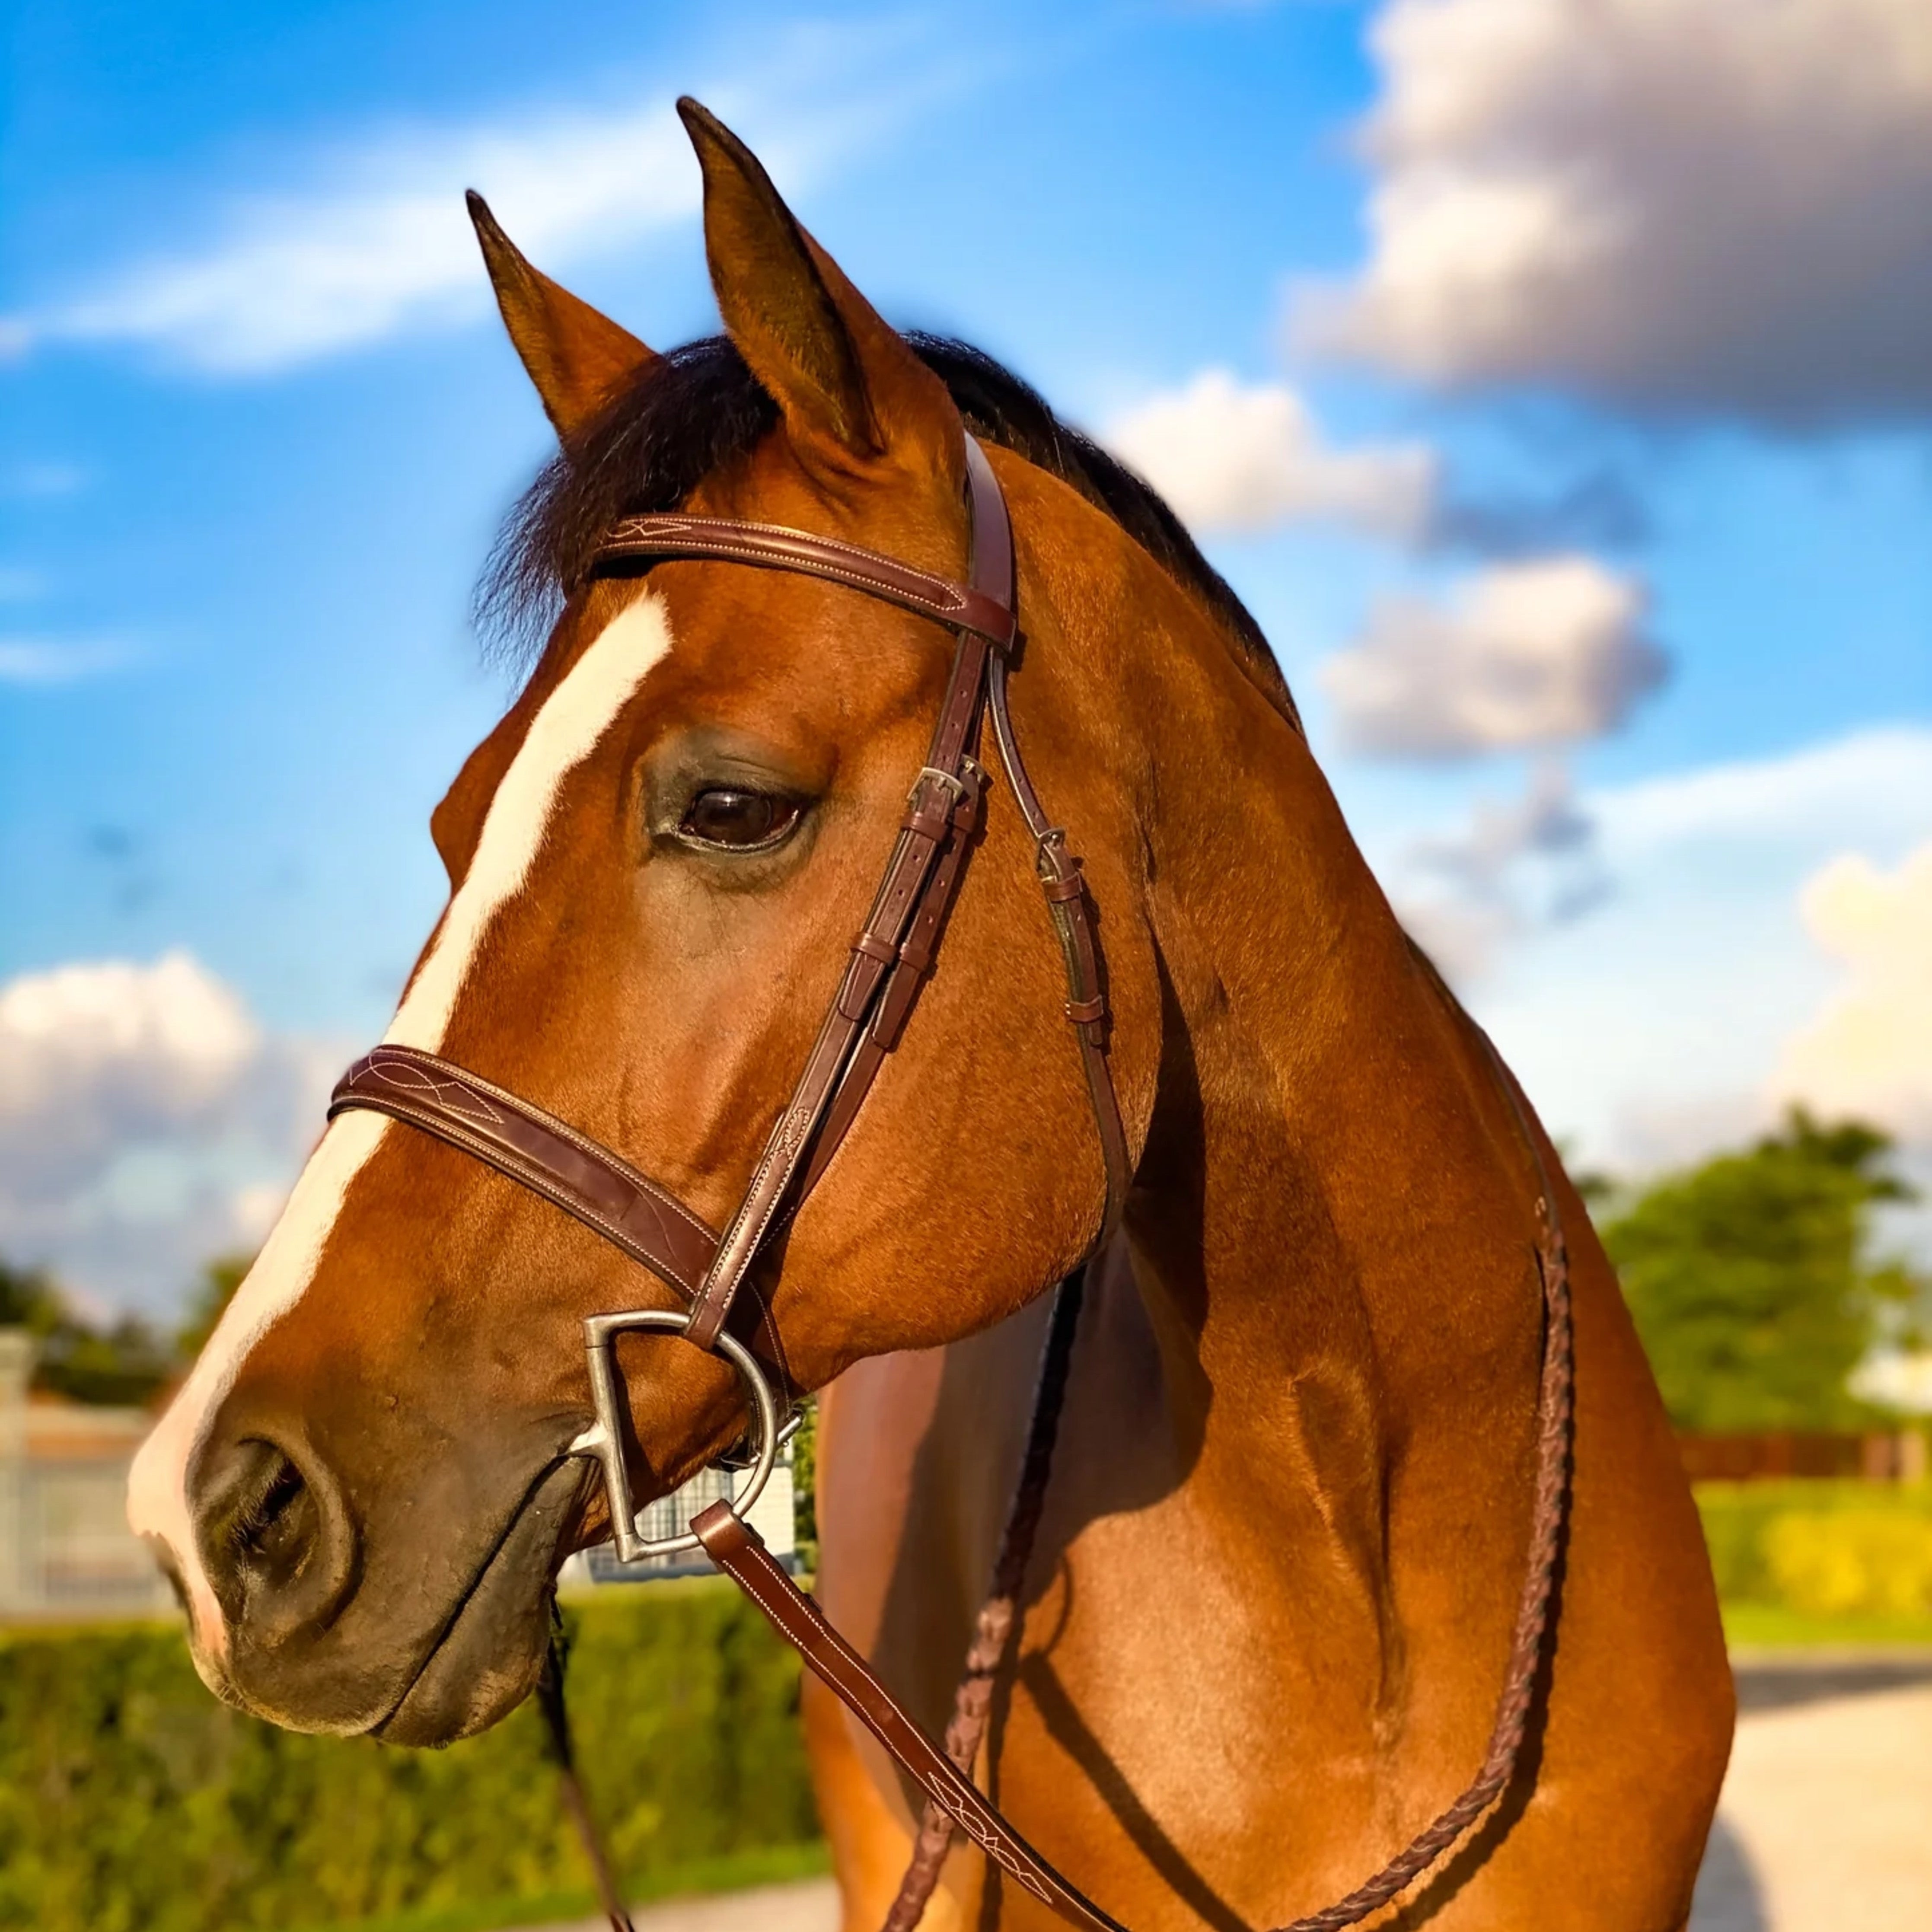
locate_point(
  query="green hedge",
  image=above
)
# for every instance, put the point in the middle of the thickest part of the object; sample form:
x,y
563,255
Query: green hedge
x,y
1822,1548
129,1798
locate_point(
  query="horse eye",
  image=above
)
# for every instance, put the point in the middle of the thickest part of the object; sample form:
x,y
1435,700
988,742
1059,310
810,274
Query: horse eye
x,y
737,820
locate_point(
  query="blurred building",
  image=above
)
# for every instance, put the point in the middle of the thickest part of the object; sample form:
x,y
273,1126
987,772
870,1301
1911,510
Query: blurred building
x,y
65,1548
1900,1378
771,1517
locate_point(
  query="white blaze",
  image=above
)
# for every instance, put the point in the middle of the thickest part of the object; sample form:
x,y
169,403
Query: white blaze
x,y
563,733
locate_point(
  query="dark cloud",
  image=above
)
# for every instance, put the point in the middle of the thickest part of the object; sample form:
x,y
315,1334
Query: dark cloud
x,y
1518,656
1679,208
1533,862
1597,511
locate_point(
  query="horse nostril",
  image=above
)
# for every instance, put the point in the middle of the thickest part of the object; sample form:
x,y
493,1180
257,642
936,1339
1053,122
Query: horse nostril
x,y
275,1529
280,1548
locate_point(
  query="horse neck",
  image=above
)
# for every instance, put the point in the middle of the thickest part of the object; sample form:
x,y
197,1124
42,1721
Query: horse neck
x,y
1333,1216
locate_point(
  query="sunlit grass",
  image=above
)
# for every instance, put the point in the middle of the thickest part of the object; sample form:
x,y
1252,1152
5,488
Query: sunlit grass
x,y
1747,1625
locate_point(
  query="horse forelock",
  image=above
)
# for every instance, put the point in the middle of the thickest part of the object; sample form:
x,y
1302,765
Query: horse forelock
x,y
698,410
565,730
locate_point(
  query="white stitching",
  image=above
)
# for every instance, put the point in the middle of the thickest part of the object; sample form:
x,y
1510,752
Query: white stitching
x,y
945,600
536,1179
699,530
376,1063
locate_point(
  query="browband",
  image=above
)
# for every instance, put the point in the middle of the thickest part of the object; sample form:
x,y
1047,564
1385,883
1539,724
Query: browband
x,y
961,607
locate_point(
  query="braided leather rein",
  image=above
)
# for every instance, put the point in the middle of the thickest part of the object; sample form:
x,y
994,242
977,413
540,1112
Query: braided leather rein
x,y
893,953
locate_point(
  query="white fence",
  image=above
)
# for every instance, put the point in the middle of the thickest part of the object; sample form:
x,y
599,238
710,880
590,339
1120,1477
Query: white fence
x,y
66,1551
65,1548
771,1517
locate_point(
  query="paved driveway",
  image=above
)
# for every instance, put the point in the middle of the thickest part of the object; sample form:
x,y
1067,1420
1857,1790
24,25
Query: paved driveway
x,y
811,1905
1826,1824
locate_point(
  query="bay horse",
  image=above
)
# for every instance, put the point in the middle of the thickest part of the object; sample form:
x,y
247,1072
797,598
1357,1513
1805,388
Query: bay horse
x,y
1271,1597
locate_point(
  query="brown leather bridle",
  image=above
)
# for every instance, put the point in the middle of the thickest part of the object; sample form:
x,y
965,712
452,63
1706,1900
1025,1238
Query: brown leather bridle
x,y
894,952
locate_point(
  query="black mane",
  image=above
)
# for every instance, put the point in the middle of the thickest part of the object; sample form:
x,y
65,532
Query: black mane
x,y
699,408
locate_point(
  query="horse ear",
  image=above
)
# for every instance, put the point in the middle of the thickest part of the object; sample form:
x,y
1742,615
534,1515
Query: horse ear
x,y
851,390
576,357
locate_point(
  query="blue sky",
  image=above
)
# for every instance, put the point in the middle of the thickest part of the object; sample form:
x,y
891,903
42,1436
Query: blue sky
x,y
260,425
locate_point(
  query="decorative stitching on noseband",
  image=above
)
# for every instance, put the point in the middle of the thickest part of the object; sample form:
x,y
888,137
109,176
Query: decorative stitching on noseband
x,y
409,1077
438,1075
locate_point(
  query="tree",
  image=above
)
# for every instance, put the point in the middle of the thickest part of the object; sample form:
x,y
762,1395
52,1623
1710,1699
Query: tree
x,y
124,1362
1750,1280
216,1289
27,1299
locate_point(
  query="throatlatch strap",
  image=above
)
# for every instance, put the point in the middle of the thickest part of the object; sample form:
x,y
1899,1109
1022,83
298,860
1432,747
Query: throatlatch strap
x,y
997,1626
894,950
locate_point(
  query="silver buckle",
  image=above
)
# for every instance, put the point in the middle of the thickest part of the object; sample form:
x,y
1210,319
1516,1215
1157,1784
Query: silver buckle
x,y
604,1439
1054,837
958,788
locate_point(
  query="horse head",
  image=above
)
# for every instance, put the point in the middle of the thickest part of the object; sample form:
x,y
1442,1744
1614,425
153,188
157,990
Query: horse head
x,y
657,861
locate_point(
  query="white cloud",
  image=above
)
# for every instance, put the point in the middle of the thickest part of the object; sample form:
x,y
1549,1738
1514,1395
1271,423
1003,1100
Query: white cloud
x,y
61,660
1651,1031
378,241
1228,456
146,1118
1679,205
1522,654
387,245
92,1054
1513,867
1841,791
1869,1052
